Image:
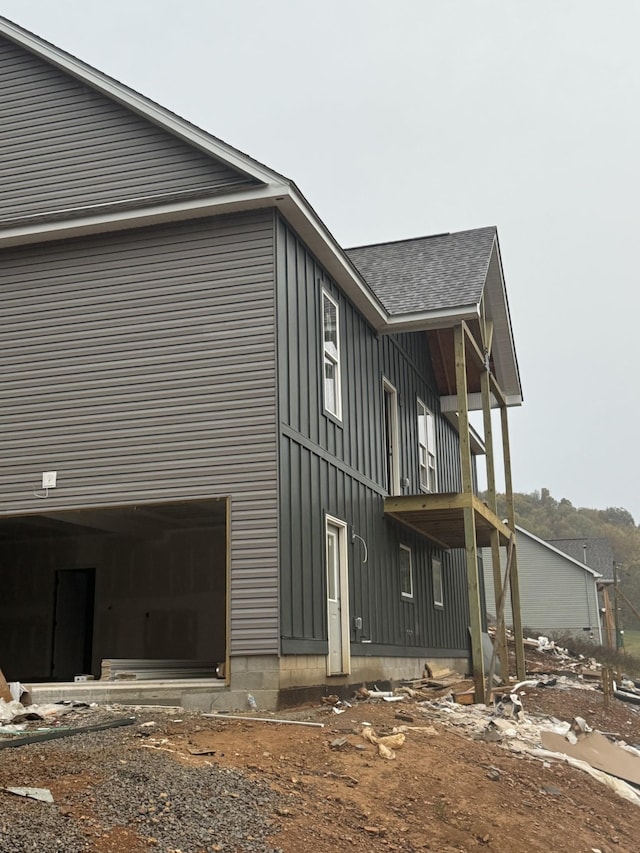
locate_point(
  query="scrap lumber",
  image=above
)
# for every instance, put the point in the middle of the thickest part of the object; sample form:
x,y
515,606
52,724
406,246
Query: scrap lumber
x,y
5,693
55,734
265,720
116,669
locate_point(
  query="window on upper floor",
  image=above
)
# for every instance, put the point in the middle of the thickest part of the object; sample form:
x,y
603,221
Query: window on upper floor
x,y
406,572
426,449
436,576
331,356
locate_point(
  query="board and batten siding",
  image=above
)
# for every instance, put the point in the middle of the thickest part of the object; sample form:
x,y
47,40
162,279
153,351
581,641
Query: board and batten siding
x,y
64,145
556,595
335,468
141,367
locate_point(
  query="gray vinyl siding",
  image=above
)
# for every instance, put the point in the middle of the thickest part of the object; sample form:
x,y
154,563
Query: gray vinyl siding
x,y
141,367
335,468
556,595
64,145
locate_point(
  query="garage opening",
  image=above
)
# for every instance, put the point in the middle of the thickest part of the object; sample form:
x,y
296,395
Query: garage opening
x,y
145,582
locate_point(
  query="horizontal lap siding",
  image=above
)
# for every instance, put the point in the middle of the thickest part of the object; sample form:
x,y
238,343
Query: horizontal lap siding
x,y
65,145
555,594
337,469
141,367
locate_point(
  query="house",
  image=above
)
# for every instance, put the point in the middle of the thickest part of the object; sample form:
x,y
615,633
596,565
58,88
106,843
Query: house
x,y
596,552
558,593
224,438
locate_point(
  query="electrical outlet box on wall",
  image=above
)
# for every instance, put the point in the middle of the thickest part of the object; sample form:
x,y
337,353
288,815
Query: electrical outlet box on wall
x,y
49,479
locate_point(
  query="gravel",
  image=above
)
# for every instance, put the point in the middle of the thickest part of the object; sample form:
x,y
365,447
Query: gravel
x,y
171,806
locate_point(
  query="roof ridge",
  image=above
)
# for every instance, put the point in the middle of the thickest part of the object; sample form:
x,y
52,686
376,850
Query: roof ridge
x,y
422,237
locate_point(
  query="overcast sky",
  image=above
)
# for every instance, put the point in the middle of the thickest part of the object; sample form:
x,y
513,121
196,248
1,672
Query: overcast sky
x,y
410,117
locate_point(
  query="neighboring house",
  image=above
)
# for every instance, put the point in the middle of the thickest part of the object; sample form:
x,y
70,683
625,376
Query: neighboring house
x,y
597,553
557,592
222,436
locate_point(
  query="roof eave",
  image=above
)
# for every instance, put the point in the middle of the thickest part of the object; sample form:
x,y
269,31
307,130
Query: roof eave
x,y
437,318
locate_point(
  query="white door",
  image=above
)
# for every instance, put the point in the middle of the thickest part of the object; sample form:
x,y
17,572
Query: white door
x,y
338,661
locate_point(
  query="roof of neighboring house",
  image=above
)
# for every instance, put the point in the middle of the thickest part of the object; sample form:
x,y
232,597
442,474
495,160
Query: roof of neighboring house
x,y
551,546
427,273
596,552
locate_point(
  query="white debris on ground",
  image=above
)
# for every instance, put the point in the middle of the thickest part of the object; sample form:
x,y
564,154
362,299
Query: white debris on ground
x,y
507,725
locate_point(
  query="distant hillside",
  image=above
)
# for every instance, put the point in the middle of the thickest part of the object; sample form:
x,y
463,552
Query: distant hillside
x,y
549,518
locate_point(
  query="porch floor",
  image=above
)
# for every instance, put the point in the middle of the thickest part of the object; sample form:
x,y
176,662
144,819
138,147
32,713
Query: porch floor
x,y
440,517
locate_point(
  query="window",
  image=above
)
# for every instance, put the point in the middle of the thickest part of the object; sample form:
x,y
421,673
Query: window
x,y
331,352
406,572
426,448
436,575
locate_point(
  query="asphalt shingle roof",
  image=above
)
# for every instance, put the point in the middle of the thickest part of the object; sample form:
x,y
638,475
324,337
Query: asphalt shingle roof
x,y
427,273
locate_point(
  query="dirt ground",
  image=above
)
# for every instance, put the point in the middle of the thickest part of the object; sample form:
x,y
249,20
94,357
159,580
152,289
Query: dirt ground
x,y
443,792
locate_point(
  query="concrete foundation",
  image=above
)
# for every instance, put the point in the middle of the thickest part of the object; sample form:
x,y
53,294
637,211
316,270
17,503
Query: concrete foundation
x,y
273,682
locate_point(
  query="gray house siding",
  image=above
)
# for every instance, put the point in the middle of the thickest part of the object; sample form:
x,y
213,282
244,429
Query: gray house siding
x,y
141,367
337,469
64,145
556,595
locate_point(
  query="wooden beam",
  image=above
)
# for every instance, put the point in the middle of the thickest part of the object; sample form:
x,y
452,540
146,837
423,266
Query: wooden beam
x,y
500,641
476,352
416,503
490,517
419,530
521,667
501,600
488,441
498,393
471,547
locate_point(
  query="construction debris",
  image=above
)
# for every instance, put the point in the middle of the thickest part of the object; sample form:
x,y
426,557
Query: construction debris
x,y
143,669
42,794
387,744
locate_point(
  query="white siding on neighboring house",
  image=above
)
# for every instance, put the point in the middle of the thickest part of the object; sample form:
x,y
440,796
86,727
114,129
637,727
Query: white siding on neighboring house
x,y
557,594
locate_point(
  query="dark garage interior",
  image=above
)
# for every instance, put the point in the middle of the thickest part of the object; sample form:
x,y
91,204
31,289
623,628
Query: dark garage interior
x,y
137,582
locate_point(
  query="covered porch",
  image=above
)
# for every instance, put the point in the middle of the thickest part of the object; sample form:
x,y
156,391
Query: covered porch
x,y
467,376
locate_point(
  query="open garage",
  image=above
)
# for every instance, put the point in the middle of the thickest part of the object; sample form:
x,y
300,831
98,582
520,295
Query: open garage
x,y
133,582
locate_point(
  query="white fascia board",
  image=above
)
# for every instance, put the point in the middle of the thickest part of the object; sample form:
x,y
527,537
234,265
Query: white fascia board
x,y
449,403
140,105
92,221
439,318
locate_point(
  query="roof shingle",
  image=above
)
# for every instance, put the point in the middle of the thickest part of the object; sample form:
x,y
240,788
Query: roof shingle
x,y
427,273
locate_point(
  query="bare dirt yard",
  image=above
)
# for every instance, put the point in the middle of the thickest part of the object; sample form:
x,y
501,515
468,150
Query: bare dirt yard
x,y
176,781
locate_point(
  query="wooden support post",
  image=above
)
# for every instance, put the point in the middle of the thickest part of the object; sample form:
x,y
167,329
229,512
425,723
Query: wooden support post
x,y
609,625
500,623
471,546
521,667
500,640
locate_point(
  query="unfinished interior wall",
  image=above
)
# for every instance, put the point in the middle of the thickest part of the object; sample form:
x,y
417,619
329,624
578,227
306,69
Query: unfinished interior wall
x,y
160,595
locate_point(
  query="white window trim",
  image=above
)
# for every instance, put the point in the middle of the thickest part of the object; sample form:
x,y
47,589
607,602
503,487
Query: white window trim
x,y
335,359
407,595
388,388
437,561
429,452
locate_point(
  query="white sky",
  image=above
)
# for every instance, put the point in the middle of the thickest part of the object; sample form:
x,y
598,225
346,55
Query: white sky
x,y
398,119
